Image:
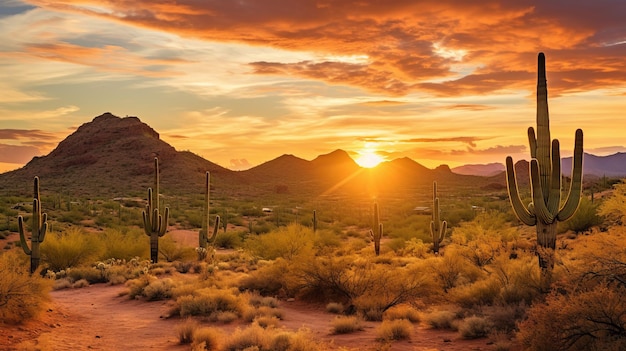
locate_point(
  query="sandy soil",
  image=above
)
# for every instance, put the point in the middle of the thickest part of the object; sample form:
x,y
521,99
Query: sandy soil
x,y
98,318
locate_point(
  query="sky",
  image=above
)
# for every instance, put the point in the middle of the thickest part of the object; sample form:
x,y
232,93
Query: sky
x,y
241,82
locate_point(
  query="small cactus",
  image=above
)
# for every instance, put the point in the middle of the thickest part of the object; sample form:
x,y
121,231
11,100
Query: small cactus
x,y
204,240
377,232
154,224
314,220
437,227
39,228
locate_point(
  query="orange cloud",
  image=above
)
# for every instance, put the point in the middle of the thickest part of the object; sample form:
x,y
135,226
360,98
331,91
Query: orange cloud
x,y
448,47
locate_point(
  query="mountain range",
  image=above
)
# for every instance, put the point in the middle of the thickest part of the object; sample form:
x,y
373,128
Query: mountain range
x,y
112,156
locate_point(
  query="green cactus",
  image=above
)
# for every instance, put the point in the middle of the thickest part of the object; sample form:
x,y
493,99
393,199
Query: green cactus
x,y
546,207
437,227
377,233
314,220
39,228
204,240
154,224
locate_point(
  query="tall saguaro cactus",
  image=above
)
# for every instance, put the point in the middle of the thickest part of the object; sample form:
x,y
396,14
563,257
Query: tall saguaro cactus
x,y
40,226
546,207
377,232
437,227
154,224
204,240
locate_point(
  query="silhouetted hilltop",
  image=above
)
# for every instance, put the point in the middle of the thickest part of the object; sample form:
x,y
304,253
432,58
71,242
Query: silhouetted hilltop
x,y
114,156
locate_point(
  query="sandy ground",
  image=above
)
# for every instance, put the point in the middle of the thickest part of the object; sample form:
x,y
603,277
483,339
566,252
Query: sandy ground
x,y
98,318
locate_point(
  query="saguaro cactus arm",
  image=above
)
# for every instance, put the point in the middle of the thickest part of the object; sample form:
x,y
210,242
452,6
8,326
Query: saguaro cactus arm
x,y
573,196
526,215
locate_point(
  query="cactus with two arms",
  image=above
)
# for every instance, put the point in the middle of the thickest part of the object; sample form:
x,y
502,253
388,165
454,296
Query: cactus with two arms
x,y
40,226
155,224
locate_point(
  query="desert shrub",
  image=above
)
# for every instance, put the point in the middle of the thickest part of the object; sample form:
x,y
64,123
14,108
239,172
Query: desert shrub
x,y
171,251
229,240
520,278
186,330
585,218
22,295
209,302
402,312
371,288
70,248
334,307
82,283
346,324
267,280
284,242
159,289
124,244
206,339
481,292
253,336
135,286
441,320
326,240
414,248
474,327
614,208
63,283
265,321
504,318
397,329
88,273
452,269
593,319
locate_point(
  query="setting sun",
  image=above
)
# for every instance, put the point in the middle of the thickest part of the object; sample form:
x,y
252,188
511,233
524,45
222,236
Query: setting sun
x,y
369,159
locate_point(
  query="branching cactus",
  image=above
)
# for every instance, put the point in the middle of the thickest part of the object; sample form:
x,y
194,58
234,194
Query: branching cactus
x,y
437,227
39,228
546,207
377,233
204,239
154,224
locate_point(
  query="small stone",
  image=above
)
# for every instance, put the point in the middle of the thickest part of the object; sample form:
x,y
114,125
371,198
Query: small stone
x,y
97,336
447,340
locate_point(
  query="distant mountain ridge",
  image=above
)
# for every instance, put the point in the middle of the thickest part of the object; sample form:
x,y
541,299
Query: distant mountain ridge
x,y
483,170
611,166
112,156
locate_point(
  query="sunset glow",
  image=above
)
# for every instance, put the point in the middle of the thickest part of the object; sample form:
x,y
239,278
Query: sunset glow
x,y
239,82
369,159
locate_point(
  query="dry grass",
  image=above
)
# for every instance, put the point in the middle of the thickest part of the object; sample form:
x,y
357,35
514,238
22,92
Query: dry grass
x,y
402,312
186,330
334,307
475,327
206,339
397,329
23,296
346,324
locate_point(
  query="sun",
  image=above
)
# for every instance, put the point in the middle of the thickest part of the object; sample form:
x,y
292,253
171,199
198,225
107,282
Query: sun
x,y
368,158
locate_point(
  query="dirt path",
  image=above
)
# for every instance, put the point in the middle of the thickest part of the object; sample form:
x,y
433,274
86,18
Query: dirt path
x,y
97,318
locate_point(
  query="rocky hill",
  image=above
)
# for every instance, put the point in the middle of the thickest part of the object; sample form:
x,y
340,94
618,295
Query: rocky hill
x,y
114,156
